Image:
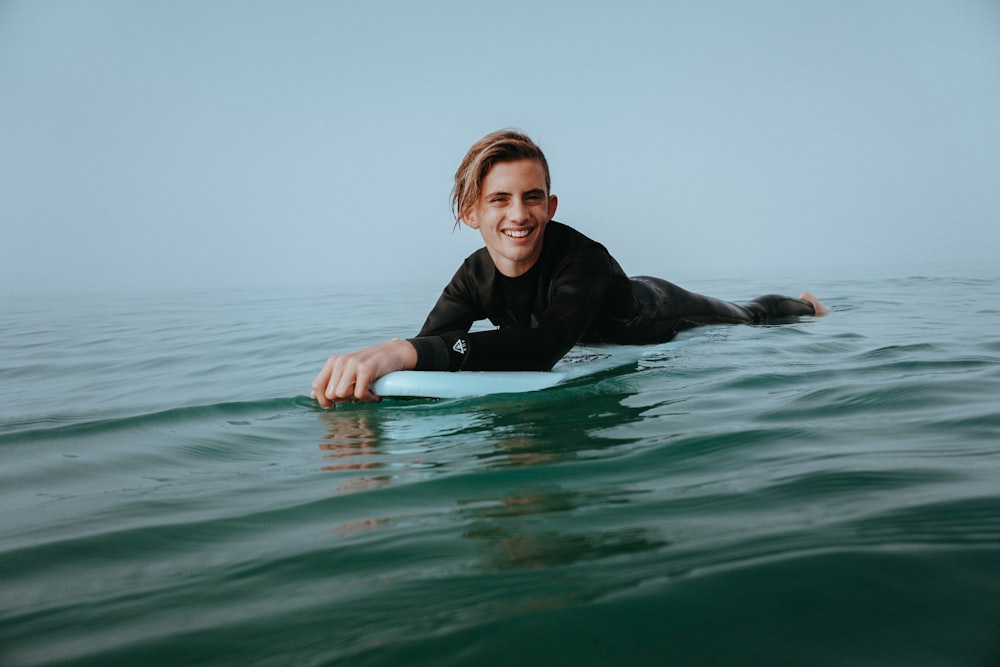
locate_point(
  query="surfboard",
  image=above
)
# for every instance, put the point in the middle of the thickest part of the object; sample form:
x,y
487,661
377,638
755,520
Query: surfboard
x,y
579,362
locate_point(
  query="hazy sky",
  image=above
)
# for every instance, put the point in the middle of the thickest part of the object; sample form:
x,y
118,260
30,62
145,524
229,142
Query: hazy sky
x,y
160,144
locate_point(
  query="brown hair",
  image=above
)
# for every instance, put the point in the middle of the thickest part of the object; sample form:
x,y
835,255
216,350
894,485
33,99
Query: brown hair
x,y
499,146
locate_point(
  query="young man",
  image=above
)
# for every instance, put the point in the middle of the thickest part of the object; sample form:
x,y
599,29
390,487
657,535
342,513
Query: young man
x,y
544,285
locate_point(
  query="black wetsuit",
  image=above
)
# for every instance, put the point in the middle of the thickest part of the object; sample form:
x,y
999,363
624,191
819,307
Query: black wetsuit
x,y
575,293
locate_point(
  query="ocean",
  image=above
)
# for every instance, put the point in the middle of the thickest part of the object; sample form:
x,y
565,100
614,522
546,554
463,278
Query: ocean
x,y
822,491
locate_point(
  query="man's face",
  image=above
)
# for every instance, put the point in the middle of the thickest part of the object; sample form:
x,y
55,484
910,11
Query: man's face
x,y
513,209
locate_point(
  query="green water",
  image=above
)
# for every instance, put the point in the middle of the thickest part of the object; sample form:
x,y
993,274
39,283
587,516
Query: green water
x,y
821,492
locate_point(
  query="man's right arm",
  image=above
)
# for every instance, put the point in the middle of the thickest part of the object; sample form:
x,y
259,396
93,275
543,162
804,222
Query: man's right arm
x,y
442,342
348,376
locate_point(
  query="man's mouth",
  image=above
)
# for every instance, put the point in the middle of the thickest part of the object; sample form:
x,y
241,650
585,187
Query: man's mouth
x,y
517,233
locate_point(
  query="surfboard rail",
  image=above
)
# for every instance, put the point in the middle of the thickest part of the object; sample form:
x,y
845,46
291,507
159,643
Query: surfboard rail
x,y
581,361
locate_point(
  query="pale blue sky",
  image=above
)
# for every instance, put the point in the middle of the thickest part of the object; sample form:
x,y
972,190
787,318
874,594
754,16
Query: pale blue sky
x,y
166,144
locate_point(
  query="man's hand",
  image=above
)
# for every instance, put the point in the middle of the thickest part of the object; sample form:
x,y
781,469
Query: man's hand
x,y
347,376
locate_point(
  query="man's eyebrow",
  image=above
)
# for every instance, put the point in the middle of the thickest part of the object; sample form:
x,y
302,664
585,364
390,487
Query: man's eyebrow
x,y
504,193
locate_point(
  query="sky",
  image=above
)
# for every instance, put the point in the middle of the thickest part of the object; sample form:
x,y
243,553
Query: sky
x,y
188,144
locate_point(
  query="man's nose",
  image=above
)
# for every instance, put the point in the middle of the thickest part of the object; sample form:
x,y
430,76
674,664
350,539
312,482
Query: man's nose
x,y
518,212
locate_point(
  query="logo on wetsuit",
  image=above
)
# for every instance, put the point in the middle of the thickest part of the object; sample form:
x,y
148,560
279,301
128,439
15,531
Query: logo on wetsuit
x,y
460,346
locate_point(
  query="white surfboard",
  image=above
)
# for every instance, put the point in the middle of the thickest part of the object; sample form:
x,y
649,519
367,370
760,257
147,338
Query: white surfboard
x,y
579,362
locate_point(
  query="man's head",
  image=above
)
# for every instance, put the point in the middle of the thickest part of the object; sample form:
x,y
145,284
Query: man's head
x,y
496,147
503,189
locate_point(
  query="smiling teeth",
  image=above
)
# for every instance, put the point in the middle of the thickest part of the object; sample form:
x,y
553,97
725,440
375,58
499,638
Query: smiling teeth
x,y
519,234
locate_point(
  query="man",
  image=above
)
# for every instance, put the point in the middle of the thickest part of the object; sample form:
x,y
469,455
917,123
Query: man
x,y
543,284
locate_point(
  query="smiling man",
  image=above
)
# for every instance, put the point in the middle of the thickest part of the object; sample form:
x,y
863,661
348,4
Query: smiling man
x,y
545,286
511,213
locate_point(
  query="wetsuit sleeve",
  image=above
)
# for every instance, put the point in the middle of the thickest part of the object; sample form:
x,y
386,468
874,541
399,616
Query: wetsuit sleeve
x,y
576,291
441,344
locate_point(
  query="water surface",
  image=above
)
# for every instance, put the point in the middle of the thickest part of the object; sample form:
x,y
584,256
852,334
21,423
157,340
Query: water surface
x,y
818,492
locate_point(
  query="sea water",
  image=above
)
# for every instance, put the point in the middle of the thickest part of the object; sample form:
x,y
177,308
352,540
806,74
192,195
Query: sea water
x,y
822,491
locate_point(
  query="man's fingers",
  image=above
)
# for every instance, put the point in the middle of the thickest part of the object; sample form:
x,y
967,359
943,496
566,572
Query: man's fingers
x,y
319,384
342,382
349,376
361,391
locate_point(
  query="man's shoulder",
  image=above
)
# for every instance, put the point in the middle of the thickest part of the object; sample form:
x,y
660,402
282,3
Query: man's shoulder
x,y
569,238
478,266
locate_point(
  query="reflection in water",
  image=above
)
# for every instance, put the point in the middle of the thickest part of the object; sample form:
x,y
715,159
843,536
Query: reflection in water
x,y
351,444
506,550
511,538
549,427
351,528
526,529
522,430
370,446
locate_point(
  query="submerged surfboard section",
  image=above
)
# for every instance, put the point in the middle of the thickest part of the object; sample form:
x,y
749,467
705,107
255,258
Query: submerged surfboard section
x,y
579,362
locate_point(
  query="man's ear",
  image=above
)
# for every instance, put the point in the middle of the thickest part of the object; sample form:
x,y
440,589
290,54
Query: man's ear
x,y
471,220
553,205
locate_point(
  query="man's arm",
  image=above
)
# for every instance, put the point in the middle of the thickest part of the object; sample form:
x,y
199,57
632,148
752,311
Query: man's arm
x,y
577,290
347,376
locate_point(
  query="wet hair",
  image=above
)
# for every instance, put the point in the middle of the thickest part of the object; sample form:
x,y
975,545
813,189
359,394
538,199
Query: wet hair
x,y
495,147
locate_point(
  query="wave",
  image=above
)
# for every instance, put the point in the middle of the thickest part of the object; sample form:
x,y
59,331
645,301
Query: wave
x,y
29,429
